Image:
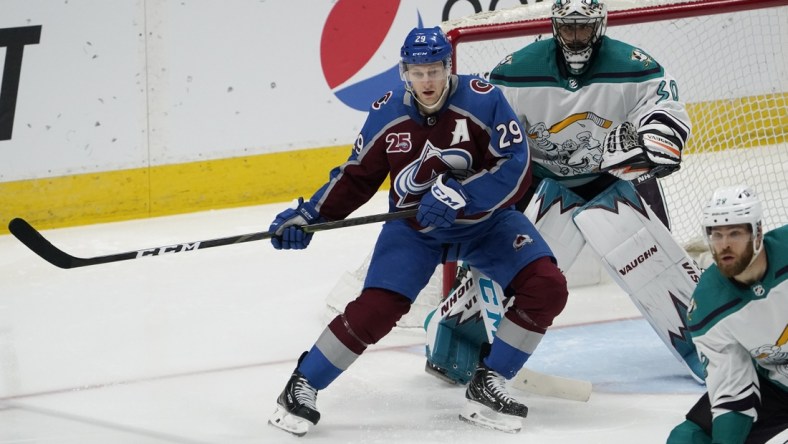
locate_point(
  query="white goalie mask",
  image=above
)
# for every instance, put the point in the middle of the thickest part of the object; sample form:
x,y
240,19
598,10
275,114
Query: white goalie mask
x,y
733,206
577,27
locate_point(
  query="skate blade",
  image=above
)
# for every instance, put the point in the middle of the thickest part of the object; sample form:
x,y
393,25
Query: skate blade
x,y
290,423
479,415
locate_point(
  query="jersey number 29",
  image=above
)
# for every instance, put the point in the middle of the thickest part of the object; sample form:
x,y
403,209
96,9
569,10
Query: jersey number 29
x,y
509,133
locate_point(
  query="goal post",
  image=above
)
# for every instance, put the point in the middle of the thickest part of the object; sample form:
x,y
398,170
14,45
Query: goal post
x,y
520,21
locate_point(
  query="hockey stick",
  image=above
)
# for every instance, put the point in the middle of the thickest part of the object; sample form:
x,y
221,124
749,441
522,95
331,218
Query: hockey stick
x,y
554,386
29,236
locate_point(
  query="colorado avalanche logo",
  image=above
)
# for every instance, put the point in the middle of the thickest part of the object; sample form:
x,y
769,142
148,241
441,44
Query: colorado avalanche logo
x,y
382,101
480,86
417,177
521,240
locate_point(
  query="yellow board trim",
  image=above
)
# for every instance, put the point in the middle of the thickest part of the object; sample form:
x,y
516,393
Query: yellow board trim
x,y
268,178
170,189
745,122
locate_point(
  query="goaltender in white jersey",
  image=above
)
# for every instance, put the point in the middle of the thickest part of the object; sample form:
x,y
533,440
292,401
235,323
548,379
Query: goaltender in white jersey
x,y
600,113
604,122
571,100
739,322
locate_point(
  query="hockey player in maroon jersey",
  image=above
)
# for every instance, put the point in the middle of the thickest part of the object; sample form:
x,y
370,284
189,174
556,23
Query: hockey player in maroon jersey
x,y
454,149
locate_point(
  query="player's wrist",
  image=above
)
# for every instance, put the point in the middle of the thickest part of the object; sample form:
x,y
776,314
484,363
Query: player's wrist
x,y
449,186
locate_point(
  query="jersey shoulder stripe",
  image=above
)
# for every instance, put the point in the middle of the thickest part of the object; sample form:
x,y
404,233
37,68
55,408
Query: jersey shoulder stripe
x,y
776,244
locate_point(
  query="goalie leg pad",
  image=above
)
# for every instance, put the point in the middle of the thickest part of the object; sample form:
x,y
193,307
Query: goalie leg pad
x,y
646,262
550,210
454,354
456,331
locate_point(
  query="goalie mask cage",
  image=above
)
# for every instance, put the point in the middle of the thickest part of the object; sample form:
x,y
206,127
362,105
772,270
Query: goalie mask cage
x,y
729,59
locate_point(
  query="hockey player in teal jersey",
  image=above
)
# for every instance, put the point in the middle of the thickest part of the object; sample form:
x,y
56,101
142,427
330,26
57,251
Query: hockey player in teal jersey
x,y
739,322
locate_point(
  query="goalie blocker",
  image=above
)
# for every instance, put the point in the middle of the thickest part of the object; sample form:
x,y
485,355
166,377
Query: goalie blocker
x,y
648,265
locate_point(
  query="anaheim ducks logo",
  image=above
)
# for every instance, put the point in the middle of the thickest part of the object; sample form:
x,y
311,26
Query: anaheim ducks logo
x,y
691,309
418,176
641,57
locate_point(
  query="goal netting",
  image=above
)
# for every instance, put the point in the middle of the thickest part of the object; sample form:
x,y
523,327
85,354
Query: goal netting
x,y
729,58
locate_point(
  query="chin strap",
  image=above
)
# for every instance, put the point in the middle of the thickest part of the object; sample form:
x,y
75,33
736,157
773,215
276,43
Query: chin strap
x,y
756,249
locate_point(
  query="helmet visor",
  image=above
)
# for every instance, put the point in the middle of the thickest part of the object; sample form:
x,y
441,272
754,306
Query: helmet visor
x,y
424,72
731,234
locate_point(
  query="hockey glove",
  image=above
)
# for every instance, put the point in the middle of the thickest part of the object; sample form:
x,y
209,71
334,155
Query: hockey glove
x,y
288,234
439,207
629,154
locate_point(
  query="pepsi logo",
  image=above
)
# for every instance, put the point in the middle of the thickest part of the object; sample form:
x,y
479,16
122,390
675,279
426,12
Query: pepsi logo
x,y
352,36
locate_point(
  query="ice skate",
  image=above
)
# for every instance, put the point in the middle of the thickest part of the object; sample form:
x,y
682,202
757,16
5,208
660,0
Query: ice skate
x,y
489,405
296,407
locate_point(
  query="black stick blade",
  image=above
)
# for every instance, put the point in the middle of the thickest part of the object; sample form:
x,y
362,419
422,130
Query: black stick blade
x,y
39,245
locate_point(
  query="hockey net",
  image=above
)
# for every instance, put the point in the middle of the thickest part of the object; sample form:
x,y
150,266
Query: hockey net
x,y
729,58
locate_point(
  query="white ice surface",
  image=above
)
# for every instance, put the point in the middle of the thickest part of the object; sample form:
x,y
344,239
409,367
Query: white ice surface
x,y
195,348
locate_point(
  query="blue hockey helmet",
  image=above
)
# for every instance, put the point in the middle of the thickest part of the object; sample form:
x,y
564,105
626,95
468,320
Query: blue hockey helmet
x,y
425,45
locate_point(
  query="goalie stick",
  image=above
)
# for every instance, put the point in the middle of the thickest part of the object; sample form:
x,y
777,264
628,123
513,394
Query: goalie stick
x,y
554,386
33,240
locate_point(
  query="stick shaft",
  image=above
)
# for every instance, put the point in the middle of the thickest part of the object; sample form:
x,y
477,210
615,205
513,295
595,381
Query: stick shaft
x,y
36,242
